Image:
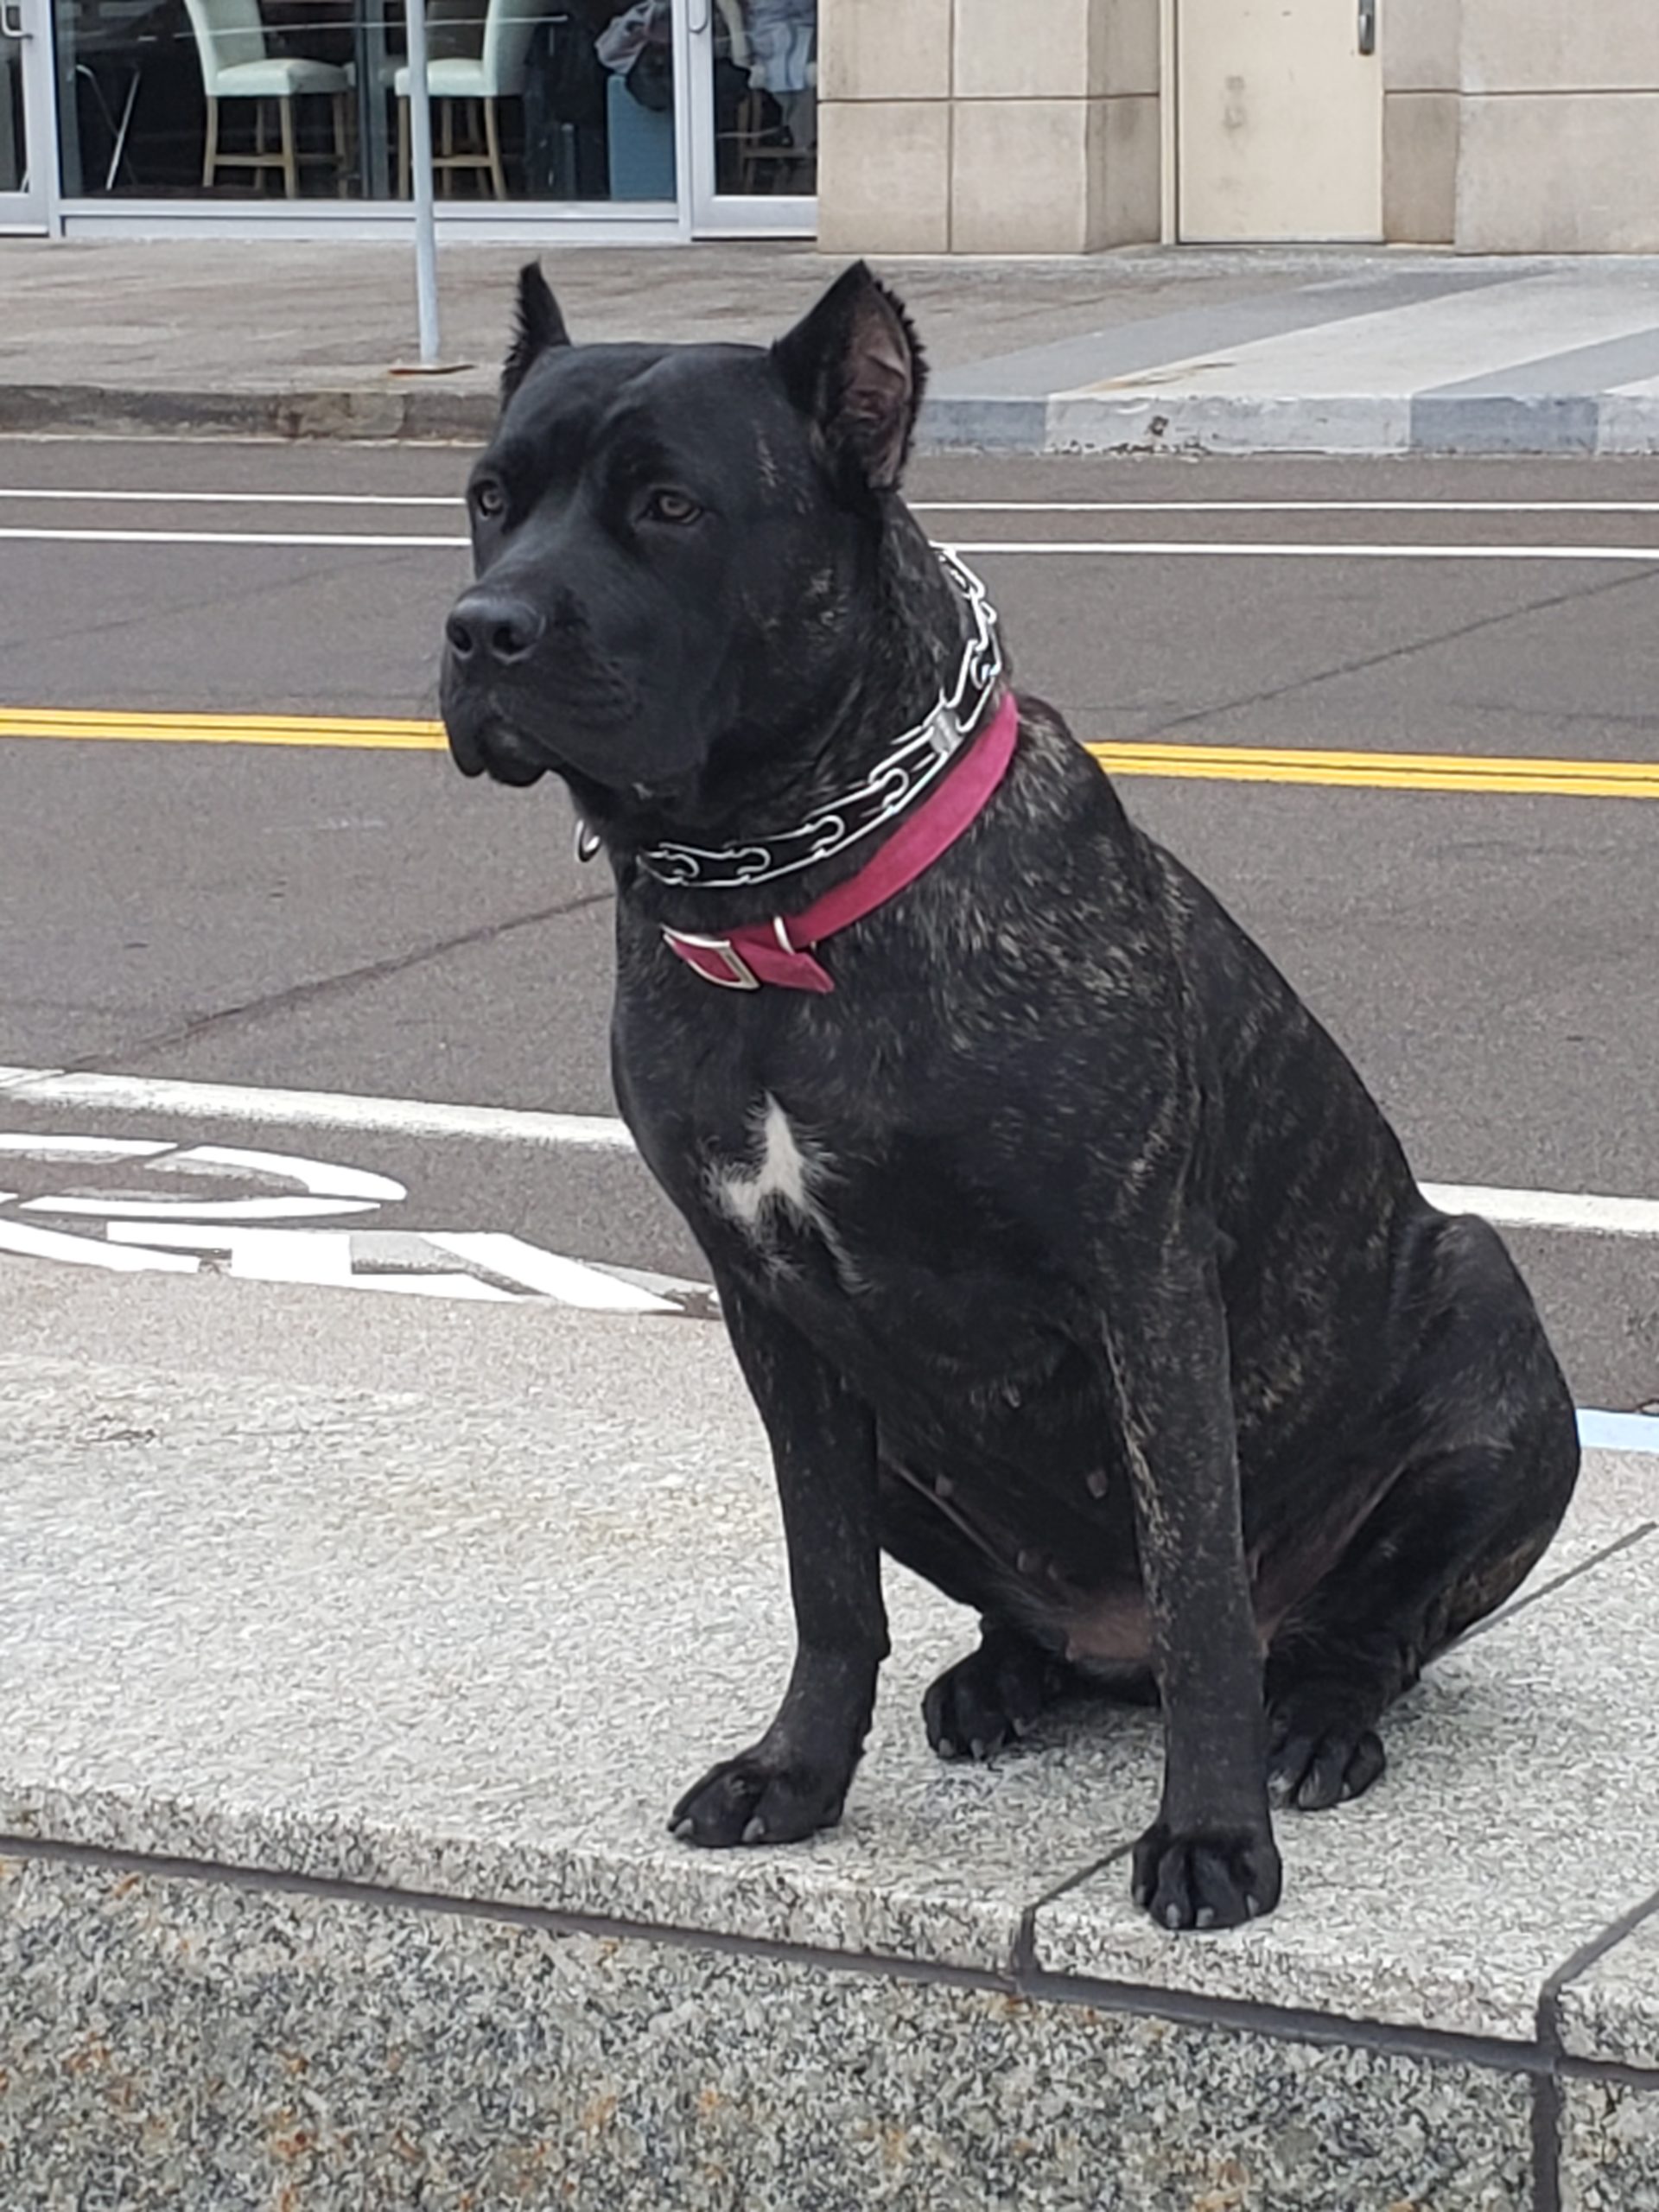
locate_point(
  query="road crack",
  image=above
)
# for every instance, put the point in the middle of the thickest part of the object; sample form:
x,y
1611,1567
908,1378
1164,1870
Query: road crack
x,y
325,987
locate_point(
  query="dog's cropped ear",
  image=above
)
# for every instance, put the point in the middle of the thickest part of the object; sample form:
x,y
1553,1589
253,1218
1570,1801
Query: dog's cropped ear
x,y
539,329
853,365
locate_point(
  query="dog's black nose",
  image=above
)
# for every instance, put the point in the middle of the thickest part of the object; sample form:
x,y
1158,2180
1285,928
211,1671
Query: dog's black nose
x,y
490,623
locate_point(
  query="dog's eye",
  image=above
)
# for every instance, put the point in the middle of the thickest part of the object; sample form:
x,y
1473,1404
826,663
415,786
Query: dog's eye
x,y
672,506
489,499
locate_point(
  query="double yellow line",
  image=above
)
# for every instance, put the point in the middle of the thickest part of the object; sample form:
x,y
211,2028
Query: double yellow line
x,y
1250,764
1398,771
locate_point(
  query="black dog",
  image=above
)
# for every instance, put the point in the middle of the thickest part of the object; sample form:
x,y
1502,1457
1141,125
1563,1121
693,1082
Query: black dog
x,y
1065,1254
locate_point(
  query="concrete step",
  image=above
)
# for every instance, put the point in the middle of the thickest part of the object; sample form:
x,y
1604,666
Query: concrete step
x,y
339,1731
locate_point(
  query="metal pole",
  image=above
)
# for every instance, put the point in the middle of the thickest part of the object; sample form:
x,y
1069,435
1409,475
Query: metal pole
x,y
420,162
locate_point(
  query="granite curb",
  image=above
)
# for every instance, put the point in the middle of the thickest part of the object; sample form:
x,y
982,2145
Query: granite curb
x,y
418,409
1167,420
339,1732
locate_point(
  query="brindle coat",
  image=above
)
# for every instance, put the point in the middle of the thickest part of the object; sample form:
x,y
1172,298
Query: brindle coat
x,y
1067,1256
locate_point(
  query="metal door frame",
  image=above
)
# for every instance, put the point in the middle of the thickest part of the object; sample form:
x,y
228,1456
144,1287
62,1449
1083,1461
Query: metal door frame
x,y
32,211
711,213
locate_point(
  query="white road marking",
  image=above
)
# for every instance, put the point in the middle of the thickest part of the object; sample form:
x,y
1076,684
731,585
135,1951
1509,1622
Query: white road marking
x,y
1584,1210
320,1257
32,1243
145,1234
449,500
1129,548
331,1190
323,1178
1578,1209
548,1274
88,1150
199,1210
1282,506
221,538
1266,550
326,1110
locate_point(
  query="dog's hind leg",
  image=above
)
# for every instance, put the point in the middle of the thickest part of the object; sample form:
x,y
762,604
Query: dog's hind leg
x,y
993,1696
996,1693
1493,1460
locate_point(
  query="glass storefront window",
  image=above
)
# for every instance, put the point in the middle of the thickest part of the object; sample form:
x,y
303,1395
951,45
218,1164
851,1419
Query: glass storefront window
x,y
532,100
306,99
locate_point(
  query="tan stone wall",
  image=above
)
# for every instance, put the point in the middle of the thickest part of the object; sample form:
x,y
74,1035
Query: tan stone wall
x,y
1032,126
1559,141
988,126
1421,75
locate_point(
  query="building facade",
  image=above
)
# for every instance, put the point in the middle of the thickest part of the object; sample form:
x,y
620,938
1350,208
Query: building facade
x,y
883,126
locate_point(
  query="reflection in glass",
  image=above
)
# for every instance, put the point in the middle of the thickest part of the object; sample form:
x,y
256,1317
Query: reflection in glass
x,y
531,99
765,97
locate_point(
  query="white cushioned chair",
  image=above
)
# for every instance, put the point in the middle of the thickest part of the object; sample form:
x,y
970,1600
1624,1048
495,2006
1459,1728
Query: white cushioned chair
x,y
237,65
493,72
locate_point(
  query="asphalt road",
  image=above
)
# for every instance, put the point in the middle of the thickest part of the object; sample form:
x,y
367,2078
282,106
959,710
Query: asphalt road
x,y
340,918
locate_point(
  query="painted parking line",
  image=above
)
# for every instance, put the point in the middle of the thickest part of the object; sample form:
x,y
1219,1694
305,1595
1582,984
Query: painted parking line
x,y
254,1239
1585,1211
453,501
364,538
1432,772
271,1233
1072,549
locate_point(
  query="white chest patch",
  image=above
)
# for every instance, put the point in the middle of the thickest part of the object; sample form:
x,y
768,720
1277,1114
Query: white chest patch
x,y
783,1176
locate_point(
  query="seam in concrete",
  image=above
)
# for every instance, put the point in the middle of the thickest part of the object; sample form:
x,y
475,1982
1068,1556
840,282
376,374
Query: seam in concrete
x,y
1547,2096
549,1920
1491,2054
1025,1944
1631,1537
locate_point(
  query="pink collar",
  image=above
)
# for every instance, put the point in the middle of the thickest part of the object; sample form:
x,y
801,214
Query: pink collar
x,y
775,952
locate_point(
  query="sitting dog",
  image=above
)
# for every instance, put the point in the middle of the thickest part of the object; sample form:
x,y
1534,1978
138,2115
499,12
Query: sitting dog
x,y
1065,1254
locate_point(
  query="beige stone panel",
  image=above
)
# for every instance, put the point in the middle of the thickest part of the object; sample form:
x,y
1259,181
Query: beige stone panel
x,y
1568,173
1125,147
884,49
1130,32
884,176
1028,50
1020,177
1419,43
1420,167
1549,46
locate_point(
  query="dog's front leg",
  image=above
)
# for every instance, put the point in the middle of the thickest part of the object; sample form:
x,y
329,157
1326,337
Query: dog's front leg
x,y
823,1438
1209,1859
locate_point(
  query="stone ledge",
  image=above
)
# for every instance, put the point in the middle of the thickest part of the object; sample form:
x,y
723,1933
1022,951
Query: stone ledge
x,y
411,1683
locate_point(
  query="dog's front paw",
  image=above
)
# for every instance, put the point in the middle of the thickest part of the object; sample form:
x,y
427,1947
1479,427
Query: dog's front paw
x,y
758,1798
1206,1877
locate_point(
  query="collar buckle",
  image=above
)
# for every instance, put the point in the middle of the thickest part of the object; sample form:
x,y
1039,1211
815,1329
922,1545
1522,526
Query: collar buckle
x,y
709,956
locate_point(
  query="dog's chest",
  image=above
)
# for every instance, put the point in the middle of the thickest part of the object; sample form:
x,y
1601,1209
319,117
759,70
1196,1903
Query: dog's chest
x,y
891,1266
776,1185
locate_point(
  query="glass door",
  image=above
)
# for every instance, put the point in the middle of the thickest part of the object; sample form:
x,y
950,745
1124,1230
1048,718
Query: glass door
x,y
25,110
753,78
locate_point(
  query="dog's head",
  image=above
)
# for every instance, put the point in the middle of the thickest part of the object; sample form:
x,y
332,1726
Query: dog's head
x,y
672,545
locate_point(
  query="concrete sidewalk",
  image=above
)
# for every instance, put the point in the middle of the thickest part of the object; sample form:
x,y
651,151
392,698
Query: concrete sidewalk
x,y
342,1723
1309,351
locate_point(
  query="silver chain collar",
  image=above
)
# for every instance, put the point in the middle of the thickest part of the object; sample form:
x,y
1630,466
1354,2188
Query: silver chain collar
x,y
914,761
